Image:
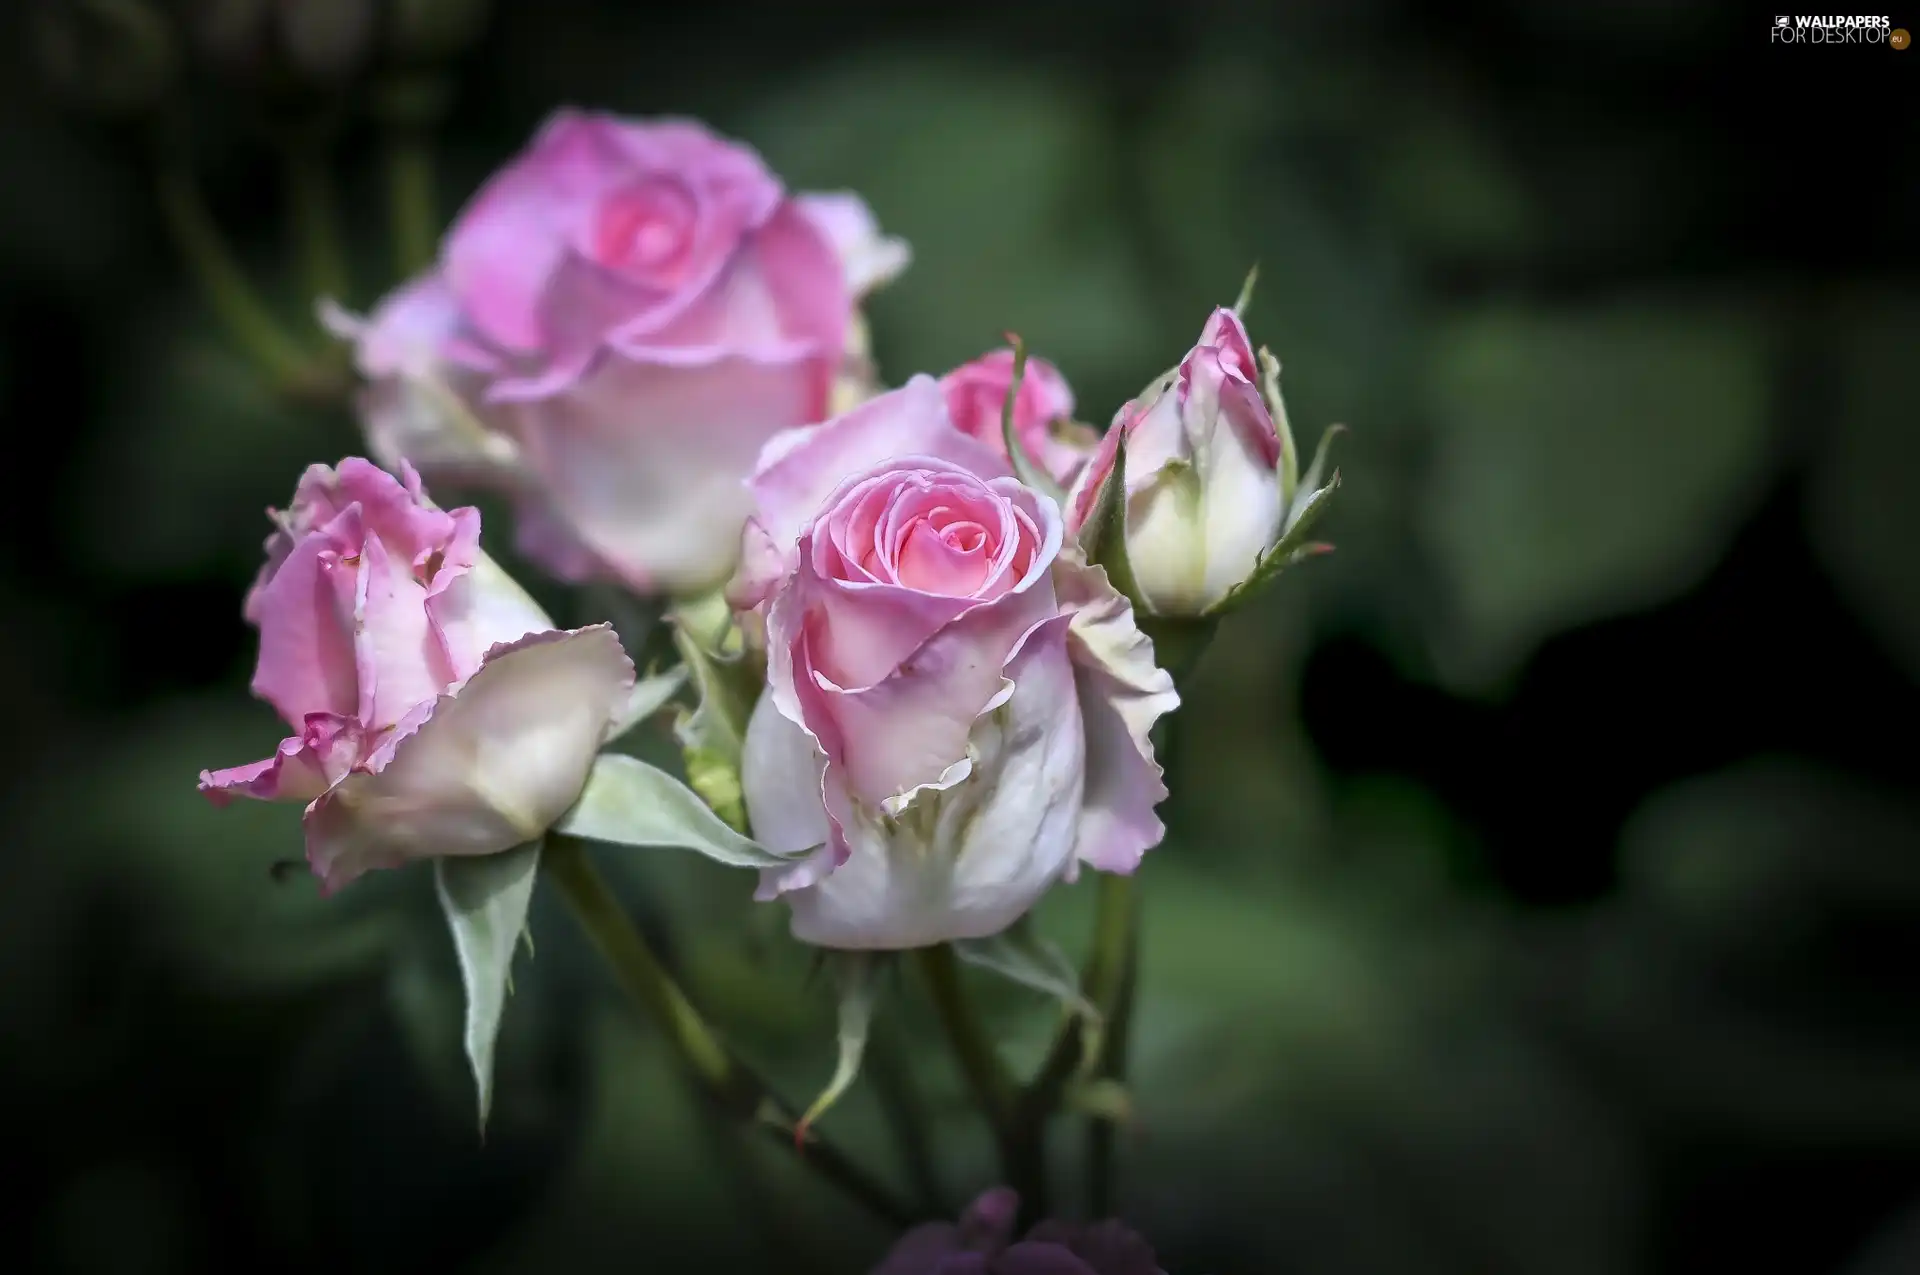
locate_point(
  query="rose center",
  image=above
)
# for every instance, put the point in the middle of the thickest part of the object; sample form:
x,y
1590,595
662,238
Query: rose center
x,y
644,229
944,551
967,537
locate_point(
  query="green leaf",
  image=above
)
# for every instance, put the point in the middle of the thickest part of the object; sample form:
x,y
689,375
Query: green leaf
x,y
1024,466
1021,956
650,695
1310,483
1277,408
1293,546
1245,298
1588,462
853,977
485,899
1105,533
627,802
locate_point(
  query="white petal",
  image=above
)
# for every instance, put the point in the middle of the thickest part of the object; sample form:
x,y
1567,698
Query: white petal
x,y
1122,693
483,609
968,860
492,765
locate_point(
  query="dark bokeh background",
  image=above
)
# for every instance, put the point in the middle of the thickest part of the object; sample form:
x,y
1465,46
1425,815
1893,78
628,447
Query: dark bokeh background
x,y
1543,893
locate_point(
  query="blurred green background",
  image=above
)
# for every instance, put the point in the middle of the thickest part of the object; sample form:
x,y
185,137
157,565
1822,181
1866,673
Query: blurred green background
x,y
1541,895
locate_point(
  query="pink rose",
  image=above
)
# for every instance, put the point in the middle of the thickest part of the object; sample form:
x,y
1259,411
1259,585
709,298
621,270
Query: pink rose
x,y
958,706
620,318
435,709
1042,412
1204,481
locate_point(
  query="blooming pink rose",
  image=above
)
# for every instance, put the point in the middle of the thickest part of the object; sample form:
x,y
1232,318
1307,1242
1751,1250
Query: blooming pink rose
x,y
958,706
435,709
977,396
619,319
1204,496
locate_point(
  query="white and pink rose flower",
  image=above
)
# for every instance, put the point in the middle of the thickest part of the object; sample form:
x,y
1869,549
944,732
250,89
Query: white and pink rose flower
x,y
618,321
435,709
1043,422
958,706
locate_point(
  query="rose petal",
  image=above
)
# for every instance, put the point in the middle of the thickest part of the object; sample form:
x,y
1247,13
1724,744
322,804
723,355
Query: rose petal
x,y
1241,508
305,615
481,609
799,469
400,661
922,1250
780,298
1030,1257
293,773
1122,693
481,769
659,497
991,837
506,243
302,768
907,729
420,404
869,257
976,395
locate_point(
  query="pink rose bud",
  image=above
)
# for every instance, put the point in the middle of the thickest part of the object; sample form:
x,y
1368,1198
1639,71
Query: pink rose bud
x,y
435,710
619,319
958,711
1042,413
1204,487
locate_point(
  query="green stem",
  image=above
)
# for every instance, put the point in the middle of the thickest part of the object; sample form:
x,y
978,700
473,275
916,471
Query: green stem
x,y
314,211
980,1063
220,279
783,1230
1116,963
411,203
736,1089
1107,978
1021,1145
901,1106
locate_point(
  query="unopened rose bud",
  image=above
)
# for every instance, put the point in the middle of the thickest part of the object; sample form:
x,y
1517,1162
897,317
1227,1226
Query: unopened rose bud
x,y
112,56
1211,504
1042,410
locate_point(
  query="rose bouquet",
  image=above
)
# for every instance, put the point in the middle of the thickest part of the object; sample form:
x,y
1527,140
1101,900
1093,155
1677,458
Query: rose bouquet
x,y
927,637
